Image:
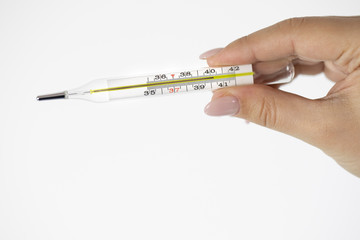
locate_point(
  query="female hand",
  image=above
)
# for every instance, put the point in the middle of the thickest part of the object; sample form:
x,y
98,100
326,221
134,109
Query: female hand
x,y
314,44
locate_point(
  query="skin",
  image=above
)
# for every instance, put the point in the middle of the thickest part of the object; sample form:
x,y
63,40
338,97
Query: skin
x,y
314,44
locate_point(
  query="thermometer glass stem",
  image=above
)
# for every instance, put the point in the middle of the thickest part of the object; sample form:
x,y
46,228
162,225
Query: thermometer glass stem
x,y
103,90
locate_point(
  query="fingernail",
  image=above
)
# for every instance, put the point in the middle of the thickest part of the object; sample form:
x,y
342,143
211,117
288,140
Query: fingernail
x,y
223,106
210,53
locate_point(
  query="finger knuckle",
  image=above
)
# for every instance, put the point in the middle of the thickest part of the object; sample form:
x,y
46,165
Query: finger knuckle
x,y
267,114
293,23
291,28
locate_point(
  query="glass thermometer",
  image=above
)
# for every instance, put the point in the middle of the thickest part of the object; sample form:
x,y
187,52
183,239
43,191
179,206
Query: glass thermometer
x,y
103,90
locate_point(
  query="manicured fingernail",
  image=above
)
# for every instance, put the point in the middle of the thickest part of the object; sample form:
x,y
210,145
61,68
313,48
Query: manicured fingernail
x,y
210,53
223,106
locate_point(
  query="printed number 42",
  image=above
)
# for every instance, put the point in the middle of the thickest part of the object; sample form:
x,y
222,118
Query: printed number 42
x,y
234,68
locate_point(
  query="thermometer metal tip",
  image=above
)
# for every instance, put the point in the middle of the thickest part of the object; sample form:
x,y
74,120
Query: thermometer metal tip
x,y
59,95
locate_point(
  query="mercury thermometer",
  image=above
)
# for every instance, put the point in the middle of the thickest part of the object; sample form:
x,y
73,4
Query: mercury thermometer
x,y
211,78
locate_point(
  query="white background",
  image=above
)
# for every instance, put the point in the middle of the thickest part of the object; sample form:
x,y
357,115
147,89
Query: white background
x,y
153,168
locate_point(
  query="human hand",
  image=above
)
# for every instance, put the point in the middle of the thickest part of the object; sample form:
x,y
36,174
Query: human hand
x,y
314,44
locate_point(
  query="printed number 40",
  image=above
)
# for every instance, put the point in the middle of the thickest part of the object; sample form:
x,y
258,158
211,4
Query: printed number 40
x,y
209,71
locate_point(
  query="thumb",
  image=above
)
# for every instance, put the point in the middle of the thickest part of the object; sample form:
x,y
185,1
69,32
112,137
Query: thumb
x,y
272,108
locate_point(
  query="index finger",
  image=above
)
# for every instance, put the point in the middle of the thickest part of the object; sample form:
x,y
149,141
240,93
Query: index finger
x,y
311,39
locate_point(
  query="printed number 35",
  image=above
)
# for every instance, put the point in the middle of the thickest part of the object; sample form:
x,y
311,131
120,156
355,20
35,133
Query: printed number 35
x,y
149,92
